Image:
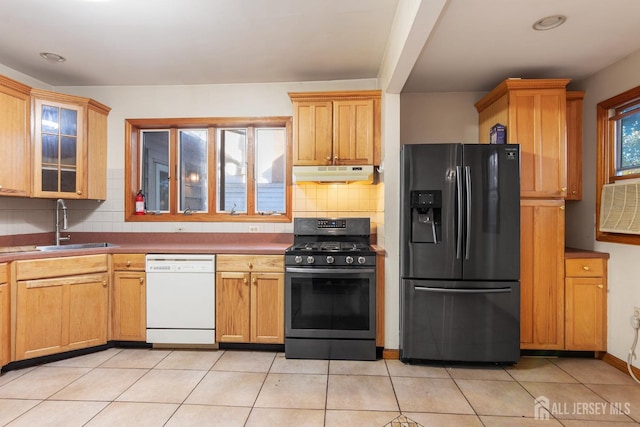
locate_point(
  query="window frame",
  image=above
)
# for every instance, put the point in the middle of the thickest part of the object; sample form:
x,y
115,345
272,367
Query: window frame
x,y
133,141
606,135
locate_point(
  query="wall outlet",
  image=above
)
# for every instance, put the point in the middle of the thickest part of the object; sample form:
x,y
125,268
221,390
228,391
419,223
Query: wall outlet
x,y
255,229
180,229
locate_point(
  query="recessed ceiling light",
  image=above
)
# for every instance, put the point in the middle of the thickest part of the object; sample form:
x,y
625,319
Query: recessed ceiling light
x,y
549,22
52,57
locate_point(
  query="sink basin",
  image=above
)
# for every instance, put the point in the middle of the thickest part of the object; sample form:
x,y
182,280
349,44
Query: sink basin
x,y
75,246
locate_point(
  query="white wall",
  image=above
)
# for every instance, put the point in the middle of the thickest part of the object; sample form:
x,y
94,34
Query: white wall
x,y
439,117
624,280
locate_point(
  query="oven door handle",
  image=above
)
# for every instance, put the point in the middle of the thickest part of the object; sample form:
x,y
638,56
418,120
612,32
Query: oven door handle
x,y
330,270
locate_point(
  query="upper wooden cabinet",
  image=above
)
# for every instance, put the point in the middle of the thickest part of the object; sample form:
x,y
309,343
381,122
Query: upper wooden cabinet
x,y
70,146
574,145
534,112
15,162
336,128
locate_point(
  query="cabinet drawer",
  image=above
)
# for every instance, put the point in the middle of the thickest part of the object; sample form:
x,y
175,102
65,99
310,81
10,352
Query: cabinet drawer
x,y
56,267
129,262
584,267
264,263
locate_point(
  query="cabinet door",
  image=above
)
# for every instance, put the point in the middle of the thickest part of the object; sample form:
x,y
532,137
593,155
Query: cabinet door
x,y
312,133
542,274
353,132
129,306
61,314
40,317
537,121
267,308
232,307
15,163
585,313
58,150
574,145
88,299
5,331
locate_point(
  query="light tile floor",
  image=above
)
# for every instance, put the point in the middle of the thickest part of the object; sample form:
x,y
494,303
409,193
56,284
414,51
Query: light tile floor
x,y
143,387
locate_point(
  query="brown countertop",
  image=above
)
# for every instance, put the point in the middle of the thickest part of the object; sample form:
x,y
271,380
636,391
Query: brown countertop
x,y
188,243
583,253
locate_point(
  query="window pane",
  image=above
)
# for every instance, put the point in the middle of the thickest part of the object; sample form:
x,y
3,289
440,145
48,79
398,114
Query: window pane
x,y
50,119
68,122
630,142
232,170
155,169
270,170
49,149
193,170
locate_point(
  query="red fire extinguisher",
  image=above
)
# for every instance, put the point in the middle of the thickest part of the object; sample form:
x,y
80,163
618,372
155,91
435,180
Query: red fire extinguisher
x,y
140,202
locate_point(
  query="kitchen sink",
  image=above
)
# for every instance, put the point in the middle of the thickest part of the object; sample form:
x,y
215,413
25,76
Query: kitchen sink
x,y
75,246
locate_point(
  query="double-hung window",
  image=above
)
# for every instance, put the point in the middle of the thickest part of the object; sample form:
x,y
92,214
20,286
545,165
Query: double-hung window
x,y
618,133
209,169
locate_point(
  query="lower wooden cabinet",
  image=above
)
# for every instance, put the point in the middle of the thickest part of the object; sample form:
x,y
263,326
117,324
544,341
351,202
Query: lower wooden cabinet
x,y
586,304
61,314
67,312
542,274
250,304
129,299
5,317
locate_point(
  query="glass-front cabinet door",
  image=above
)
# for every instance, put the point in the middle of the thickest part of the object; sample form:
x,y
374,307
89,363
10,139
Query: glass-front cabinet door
x,y
58,149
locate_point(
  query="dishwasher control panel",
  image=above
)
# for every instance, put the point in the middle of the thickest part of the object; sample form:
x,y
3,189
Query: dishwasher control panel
x,y
178,263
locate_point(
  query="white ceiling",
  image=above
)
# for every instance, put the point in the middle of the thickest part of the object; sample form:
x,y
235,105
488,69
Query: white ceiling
x,y
474,45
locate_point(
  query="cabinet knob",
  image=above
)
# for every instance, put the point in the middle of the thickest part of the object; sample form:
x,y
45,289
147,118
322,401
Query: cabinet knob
x,y
562,207
328,157
104,283
141,280
253,280
250,265
244,281
601,286
335,158
79,193
128,263
586,268
574,192
564,189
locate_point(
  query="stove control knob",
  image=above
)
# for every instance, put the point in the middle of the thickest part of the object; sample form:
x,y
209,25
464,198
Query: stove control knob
x,y
361,260
349,260
310,260
330,259
298,259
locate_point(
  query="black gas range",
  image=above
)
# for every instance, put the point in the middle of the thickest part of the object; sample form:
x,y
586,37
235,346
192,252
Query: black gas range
x,y
330,288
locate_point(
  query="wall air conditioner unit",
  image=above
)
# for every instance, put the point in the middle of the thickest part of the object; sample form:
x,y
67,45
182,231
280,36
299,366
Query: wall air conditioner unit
x,y
620,207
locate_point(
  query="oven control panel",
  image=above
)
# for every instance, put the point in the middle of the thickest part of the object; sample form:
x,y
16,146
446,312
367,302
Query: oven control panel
x,y
336,260
332,223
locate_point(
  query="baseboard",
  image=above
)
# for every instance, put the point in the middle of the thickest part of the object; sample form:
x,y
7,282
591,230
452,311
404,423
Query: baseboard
x,y
390,354
620,364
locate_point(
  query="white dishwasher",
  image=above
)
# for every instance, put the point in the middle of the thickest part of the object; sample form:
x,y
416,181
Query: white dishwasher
x,y
181,298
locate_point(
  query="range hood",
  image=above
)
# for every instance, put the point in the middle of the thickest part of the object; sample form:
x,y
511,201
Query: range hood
x,y
333,174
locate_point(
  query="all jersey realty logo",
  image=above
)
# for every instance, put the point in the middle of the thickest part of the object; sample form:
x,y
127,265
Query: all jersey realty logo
x,y
543,408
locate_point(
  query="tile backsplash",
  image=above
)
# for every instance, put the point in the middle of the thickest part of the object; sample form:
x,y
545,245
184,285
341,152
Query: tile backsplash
x,y
25,216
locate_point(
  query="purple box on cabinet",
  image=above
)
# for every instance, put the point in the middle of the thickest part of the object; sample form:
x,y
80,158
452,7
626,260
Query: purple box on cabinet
x,y
498,134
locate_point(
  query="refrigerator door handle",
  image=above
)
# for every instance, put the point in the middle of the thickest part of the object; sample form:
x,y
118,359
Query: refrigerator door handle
x,y
462,291
459,233
467,175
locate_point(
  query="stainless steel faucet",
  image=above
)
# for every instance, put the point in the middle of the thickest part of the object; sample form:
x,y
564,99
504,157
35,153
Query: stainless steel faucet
x,y
60,203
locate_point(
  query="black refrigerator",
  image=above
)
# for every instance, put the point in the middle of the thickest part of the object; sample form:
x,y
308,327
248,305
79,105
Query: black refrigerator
x,y
460,253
